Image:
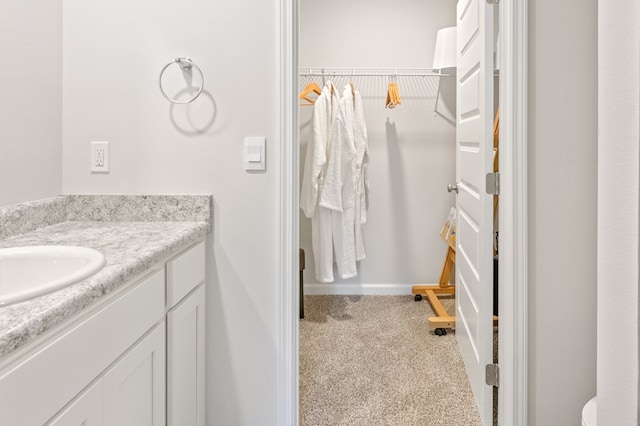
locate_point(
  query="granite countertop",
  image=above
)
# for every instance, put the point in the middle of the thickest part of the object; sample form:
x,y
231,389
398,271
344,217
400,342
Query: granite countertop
x,y
130,247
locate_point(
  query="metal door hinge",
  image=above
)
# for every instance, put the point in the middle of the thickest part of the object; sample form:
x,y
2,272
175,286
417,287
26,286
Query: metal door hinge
x,y
493,374
493,1
493,183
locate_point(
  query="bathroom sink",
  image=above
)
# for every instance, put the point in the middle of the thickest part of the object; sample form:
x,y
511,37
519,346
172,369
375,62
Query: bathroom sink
x,y
30,272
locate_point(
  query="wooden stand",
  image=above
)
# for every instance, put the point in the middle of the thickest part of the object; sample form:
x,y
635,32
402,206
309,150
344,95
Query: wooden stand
x,y
442,319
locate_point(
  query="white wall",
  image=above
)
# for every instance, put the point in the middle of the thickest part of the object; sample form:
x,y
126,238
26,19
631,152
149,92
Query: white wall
x,y
30,100
412,153
113,54
562,151
618,194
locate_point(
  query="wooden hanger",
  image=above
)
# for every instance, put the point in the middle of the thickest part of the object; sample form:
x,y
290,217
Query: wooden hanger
x,y
388,103
311,88
396,94
393,96
353,95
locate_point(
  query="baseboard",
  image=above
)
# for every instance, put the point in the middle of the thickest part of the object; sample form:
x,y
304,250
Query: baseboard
x,y
358,289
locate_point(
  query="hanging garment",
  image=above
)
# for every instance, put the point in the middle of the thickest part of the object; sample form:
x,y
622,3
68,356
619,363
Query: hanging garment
x,y
361,176
315,167
339,192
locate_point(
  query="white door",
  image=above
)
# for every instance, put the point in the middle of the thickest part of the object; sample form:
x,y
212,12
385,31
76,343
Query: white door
x,y
474,152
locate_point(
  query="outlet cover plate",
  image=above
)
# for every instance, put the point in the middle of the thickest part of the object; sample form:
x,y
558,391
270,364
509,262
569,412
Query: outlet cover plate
x,y
100,157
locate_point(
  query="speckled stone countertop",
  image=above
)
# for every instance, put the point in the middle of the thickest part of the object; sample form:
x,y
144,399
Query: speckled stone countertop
x,y
133,232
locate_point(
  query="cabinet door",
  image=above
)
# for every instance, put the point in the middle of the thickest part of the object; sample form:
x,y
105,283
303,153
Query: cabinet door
x,y
86,410
134,389
185,361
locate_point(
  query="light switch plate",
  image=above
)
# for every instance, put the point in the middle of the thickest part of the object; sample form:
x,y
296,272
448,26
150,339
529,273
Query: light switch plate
x,y
255,153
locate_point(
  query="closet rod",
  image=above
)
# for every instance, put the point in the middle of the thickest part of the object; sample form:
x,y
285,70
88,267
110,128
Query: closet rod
x,y
373,72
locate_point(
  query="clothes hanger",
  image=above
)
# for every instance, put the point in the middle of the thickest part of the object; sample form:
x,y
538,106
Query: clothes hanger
x,y
389,101
393,93
304,95
353,89
393,96
396,94
353,93
396,91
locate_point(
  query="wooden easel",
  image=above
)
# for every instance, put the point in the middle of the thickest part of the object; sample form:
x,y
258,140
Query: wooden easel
x,y
442,319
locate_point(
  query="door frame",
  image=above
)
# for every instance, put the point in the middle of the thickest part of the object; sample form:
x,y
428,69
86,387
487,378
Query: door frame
x,y
513,215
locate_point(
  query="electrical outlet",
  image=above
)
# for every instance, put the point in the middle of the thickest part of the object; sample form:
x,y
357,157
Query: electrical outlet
x,y
100,157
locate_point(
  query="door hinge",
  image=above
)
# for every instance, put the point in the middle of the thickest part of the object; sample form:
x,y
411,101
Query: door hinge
x,y
493,1
493,374
493,183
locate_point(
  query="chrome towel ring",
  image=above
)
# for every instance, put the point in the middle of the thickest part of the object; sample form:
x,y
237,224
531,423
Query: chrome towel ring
x,y
186,64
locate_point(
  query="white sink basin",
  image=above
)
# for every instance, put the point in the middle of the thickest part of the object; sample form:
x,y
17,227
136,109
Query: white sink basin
x,y
29,272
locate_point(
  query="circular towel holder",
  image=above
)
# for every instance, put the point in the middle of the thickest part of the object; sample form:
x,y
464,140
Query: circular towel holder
x,y
186,64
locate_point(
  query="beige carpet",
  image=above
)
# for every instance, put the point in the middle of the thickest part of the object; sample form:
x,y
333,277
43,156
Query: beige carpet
x,y
371,360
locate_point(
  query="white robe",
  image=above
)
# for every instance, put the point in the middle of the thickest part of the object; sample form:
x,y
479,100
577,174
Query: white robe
x,y
339,192
315,167
361,176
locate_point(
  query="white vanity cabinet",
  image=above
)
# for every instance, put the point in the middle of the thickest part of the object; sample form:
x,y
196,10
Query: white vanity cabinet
x,y
186,338
131,360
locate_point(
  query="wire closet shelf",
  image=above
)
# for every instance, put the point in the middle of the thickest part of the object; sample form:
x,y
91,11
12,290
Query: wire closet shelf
x,y
375,72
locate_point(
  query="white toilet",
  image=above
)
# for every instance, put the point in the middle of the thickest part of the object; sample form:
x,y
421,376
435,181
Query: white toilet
x,y
589,411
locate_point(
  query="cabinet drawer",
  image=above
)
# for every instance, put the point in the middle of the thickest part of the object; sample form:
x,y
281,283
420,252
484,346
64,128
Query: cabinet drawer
x,y
184,273
37,388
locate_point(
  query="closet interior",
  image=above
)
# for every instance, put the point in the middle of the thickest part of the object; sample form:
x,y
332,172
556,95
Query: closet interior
x,y
396,61
411,147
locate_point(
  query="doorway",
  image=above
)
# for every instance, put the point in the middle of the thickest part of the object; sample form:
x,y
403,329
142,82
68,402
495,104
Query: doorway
x,y
513,408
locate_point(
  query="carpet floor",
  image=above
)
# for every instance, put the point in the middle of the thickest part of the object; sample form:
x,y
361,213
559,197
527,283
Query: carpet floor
x,y
371,360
